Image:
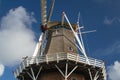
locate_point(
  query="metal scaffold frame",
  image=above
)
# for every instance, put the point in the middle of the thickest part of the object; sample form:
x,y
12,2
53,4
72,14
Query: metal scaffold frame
x,y
32,75
66,74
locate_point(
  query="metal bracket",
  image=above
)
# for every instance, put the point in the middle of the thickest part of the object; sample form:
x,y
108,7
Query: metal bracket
x,y
95,77
66,75
33,77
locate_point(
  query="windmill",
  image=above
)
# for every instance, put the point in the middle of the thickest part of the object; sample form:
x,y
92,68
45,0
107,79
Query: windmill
x,y
56,55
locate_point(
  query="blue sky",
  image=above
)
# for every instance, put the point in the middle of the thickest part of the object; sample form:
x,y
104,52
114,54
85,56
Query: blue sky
x,y
100,15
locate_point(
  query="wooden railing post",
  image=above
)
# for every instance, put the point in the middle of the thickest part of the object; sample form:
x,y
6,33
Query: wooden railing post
x,y
47,59
57,56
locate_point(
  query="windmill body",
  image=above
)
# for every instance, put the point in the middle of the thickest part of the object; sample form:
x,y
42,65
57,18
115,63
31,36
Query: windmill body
x,y
60,54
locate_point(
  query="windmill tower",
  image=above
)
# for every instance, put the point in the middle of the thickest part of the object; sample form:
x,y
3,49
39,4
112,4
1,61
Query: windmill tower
x,y
60,53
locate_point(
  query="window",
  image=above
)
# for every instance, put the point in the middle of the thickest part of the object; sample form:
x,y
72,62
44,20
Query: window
x,y
70,48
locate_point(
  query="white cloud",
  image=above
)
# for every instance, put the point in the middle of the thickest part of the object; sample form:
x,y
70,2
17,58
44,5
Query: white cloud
x,y
1,69
109,21
110,50
16,36
113,49
114,71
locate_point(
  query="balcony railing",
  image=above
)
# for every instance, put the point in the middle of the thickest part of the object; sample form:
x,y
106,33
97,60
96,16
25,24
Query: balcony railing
x,y
58,57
